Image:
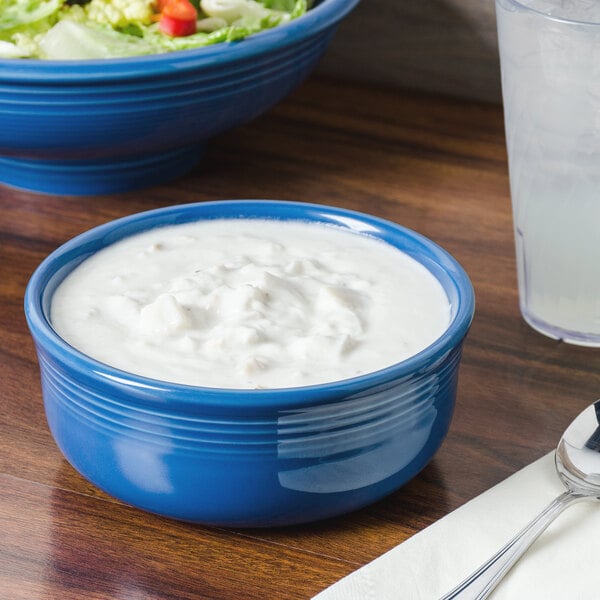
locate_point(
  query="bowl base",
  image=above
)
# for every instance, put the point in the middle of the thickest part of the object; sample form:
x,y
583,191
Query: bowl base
x,y
91,177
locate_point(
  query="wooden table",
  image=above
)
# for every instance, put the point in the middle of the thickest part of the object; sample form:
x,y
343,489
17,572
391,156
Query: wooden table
x,y
435,165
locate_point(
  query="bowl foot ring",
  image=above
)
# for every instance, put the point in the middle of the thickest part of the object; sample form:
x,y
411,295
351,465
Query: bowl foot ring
x,y
105,176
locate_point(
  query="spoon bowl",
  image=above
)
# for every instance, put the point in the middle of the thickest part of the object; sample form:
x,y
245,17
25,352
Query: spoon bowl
x,y
577,459
578,453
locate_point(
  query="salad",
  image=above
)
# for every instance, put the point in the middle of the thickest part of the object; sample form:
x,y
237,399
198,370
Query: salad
x,y
89,29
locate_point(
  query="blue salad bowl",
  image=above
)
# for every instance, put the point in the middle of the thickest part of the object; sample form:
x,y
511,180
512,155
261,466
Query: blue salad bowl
x,y
253,457
104,126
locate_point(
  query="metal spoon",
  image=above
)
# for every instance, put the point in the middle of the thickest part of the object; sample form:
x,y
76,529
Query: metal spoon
x,y
577,461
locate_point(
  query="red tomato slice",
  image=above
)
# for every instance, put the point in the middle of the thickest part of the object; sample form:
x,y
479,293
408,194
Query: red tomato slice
x,y
177,17
179,9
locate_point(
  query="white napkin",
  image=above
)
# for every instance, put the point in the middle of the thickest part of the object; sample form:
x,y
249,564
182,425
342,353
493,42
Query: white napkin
x,y
563,564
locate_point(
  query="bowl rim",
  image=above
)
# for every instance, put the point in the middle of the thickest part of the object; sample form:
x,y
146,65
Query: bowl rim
x,y
83,245
323,16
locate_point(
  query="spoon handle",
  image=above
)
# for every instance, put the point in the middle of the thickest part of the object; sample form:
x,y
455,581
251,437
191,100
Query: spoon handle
x,y
481,583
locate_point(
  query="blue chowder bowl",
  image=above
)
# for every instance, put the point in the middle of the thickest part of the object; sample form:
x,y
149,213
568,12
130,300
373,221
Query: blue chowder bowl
x,y
104,126
248,458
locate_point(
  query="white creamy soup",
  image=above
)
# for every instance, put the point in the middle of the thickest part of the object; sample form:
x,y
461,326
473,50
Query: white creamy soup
x,y
248,303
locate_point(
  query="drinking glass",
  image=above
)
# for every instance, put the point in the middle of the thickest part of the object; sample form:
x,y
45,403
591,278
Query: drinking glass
x,y
550,63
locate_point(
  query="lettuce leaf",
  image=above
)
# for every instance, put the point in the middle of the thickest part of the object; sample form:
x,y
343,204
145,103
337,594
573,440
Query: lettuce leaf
x,y
61,30
17,13
69,40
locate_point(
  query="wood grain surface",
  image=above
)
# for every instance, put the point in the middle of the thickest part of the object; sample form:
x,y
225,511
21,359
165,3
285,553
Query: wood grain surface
x,y
432,164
